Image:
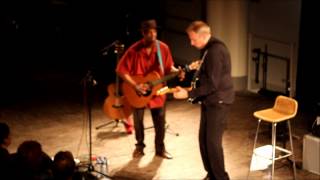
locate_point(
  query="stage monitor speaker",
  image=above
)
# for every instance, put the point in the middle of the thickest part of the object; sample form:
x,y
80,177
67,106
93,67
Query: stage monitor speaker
x,y
311,155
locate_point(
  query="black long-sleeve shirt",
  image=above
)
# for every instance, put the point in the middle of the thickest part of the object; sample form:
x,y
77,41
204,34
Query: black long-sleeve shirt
x,y
215,81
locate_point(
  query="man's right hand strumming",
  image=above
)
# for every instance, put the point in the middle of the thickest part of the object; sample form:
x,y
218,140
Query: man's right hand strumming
x,y
142,88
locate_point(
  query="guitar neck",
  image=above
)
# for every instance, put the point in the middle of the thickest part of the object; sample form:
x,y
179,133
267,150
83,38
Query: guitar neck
x,y
172,75
165,78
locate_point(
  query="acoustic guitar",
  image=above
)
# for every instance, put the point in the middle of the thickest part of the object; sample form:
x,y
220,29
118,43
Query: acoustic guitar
x,y
154,81
116,105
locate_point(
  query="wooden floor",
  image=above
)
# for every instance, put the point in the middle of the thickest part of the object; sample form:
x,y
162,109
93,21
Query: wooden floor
x,y
64,125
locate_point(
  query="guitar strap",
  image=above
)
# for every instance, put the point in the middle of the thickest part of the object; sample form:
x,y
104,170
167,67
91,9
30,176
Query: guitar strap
x,y
196,74
160,57
195,79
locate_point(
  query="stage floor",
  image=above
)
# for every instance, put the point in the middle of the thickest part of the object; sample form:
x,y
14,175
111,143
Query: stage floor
x,y
62,124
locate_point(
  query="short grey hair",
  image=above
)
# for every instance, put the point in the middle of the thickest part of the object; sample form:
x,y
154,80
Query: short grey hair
x,y
199,27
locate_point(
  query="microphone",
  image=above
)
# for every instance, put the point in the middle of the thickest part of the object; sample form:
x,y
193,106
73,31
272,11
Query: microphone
x,y
106,48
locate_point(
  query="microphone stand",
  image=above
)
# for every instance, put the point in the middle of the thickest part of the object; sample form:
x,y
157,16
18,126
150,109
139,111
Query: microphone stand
x,y
88,83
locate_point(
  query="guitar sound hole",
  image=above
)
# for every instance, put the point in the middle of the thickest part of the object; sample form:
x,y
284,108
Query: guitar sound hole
x,y
148,92
117,106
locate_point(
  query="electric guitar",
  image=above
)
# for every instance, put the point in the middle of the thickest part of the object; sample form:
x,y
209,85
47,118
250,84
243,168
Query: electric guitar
x,y
195,80
166,90
178,94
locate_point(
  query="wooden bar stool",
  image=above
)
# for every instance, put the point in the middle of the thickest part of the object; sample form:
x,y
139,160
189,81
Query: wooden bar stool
x,y
284,109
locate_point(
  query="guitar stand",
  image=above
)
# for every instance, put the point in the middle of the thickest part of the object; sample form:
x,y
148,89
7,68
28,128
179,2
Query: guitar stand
x,y
117,108
167,128
117,121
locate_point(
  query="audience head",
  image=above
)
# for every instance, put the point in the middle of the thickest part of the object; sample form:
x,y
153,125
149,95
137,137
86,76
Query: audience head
x,y
31,154
30,162
5,139
63,165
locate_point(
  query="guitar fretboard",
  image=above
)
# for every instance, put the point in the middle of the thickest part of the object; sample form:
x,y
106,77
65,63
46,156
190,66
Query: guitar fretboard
x,y
165,78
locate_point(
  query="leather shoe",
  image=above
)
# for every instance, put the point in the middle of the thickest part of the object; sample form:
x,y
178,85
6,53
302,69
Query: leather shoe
x,y
138,152
164,154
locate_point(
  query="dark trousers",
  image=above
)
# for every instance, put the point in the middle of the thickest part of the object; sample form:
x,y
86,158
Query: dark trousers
x,y
158,118
212,124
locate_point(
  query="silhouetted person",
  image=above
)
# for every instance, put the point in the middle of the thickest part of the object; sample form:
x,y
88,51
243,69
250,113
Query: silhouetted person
x,y
64,166
5,141
30,162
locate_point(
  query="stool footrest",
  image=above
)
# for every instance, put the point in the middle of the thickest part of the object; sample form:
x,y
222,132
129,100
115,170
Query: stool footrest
x,y
281,157
283,150
269,155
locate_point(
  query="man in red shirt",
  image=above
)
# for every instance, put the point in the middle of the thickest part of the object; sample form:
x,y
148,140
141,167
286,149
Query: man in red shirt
x,y
140,59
